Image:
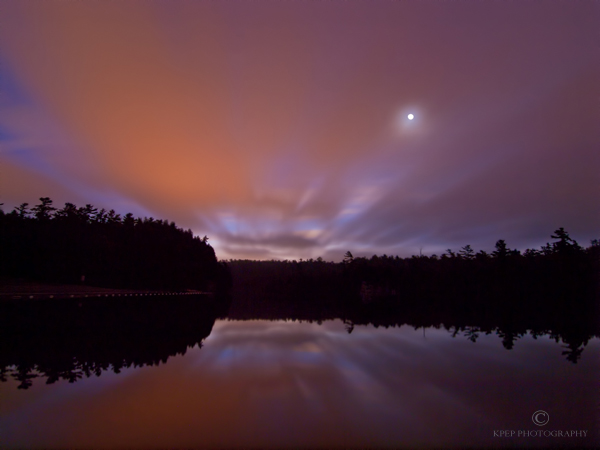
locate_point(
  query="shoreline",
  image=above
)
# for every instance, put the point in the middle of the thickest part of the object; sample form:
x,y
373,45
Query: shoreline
x,y
27,290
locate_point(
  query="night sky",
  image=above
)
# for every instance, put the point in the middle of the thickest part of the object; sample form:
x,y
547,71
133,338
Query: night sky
x,y
280,129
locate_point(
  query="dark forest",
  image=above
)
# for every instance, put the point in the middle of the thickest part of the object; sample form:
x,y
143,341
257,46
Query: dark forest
x,y
100,248
551,291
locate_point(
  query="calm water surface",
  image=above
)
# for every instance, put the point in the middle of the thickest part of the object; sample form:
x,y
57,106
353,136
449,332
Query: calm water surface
x,y
290,384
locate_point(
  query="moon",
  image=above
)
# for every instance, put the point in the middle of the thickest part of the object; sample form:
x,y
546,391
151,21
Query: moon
x,y
411,117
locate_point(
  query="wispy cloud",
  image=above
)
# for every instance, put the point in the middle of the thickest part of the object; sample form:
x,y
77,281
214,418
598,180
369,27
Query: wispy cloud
x,y
281,130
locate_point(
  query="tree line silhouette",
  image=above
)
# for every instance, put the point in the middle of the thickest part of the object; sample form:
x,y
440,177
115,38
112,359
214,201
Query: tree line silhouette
x,y
559,272
552,291
102,248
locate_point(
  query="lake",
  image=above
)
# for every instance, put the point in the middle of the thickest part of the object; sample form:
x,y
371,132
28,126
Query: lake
x,y
284,383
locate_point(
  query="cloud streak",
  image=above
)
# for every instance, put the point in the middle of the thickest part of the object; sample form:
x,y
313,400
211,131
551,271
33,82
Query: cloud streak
x,y
280,130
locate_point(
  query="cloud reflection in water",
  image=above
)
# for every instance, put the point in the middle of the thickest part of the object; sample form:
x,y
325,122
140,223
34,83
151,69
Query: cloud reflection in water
x,y
282,384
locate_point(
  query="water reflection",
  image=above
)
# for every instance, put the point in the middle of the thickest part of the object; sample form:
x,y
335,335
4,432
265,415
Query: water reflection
x,y
75,338
304,373
72,338
282,384
569,326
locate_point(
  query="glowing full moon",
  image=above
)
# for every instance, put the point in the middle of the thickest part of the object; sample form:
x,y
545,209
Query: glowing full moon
x,y
411,117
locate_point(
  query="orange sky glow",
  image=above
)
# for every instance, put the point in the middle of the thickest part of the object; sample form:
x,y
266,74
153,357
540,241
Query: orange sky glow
x,y
280,129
